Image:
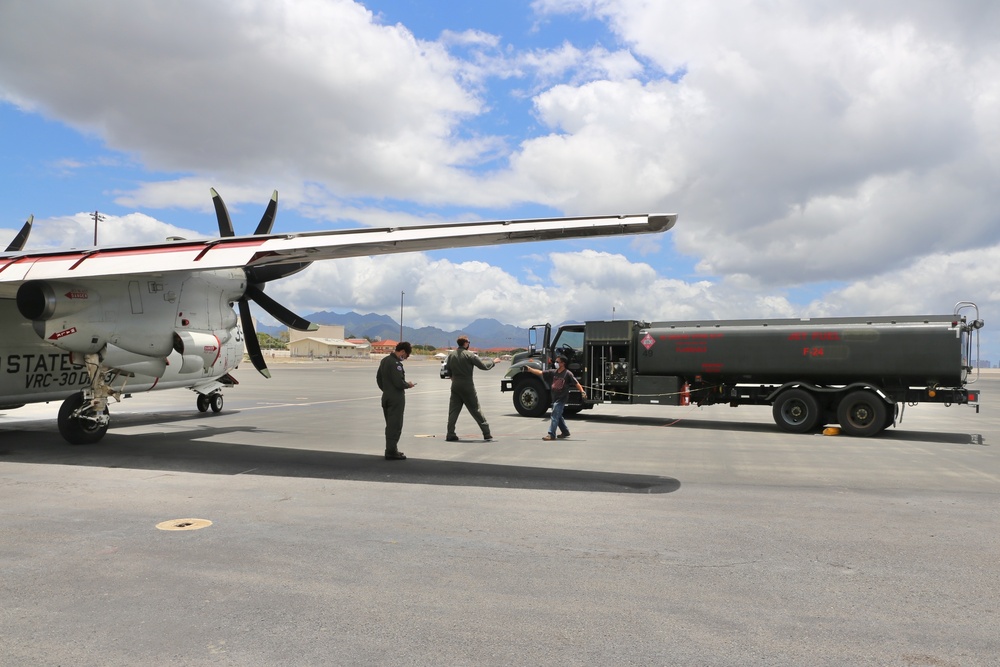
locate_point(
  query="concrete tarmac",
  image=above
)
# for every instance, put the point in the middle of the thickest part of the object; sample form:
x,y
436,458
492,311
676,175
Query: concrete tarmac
x,y
653,536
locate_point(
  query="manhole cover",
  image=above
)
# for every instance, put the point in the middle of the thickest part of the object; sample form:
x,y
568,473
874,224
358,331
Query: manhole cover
x,y
184,524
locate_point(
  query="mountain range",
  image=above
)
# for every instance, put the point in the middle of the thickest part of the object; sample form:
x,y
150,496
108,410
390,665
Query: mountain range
x,y
484,333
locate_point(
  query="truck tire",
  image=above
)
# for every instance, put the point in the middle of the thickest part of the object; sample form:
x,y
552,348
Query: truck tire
x,y
862,413
796,411
531,398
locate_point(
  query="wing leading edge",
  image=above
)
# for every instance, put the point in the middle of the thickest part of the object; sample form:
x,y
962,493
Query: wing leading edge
x,y
276,249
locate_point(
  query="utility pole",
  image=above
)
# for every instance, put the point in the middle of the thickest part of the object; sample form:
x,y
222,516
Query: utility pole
x,y
97,218
401,293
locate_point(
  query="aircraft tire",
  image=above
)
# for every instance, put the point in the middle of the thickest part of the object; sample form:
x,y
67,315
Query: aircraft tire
x,y
203,403
216,401
77,431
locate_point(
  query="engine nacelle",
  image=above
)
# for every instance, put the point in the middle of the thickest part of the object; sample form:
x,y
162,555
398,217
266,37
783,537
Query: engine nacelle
x,y
138,323
83,317
40,300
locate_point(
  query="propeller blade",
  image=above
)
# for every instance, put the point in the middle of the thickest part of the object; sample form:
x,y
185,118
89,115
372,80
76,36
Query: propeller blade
x,y
267,220
225,224
258,275
250,337
22,236
277,311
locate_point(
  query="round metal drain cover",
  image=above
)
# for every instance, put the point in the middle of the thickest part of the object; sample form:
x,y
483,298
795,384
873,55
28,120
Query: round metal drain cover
x,y
184,524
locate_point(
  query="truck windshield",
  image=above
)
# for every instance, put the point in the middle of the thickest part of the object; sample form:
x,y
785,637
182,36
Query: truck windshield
x,y
568,342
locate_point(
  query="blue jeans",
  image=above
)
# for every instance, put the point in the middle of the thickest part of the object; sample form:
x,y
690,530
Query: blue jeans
x,y
557,419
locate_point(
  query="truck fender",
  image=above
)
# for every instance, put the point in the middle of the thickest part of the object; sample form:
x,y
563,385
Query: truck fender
x,y
797,384
809,386
870,387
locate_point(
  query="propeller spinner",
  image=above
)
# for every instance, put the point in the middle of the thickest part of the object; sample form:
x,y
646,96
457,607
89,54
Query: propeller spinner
x,y
256,278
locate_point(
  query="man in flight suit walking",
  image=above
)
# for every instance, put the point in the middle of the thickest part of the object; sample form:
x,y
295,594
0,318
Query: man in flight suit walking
x,y
392,381
460,365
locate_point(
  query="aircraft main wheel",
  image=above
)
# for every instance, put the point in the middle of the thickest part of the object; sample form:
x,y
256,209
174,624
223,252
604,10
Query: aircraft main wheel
x,y
531,399
796,411
79,430
216,401
862,413
203,403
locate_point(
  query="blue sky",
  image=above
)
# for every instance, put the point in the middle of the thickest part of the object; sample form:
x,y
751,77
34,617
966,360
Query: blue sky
x,y
824,158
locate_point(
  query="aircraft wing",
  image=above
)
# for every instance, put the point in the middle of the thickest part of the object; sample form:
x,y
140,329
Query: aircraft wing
x,y
276,249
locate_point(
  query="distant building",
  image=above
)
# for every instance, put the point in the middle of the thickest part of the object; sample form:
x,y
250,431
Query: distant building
x,y
327,342
384,346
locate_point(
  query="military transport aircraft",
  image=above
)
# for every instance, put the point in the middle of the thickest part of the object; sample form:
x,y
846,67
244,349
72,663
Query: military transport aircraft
x,y
88,325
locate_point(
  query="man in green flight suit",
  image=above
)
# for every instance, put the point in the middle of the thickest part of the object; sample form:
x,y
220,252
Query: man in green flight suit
x,y
460,365
392,381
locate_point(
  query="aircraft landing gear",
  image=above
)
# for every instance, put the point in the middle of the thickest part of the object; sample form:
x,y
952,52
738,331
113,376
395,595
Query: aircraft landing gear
x,y
80,422
84,417
213,400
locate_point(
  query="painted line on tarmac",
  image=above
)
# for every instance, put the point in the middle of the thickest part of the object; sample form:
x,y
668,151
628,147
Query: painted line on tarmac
x,y
374,397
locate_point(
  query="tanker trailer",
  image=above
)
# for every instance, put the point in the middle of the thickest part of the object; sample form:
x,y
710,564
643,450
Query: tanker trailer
x,y
856,371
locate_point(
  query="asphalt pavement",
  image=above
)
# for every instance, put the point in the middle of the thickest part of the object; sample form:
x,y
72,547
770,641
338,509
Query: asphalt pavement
x,y
275,533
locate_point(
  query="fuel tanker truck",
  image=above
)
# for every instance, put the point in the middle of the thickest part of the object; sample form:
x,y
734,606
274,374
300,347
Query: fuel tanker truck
x,y
857,372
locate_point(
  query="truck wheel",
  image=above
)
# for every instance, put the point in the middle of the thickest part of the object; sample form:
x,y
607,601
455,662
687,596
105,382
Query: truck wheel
x,y
862,413
531,399
796,411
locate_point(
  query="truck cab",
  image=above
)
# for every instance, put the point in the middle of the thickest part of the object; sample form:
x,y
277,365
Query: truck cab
x,y
532,396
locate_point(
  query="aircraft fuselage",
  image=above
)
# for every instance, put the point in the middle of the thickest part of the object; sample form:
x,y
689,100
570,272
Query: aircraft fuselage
x,y
176,330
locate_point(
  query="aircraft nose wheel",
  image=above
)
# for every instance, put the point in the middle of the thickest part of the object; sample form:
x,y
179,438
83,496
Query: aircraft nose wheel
x,y
214,401
206,401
